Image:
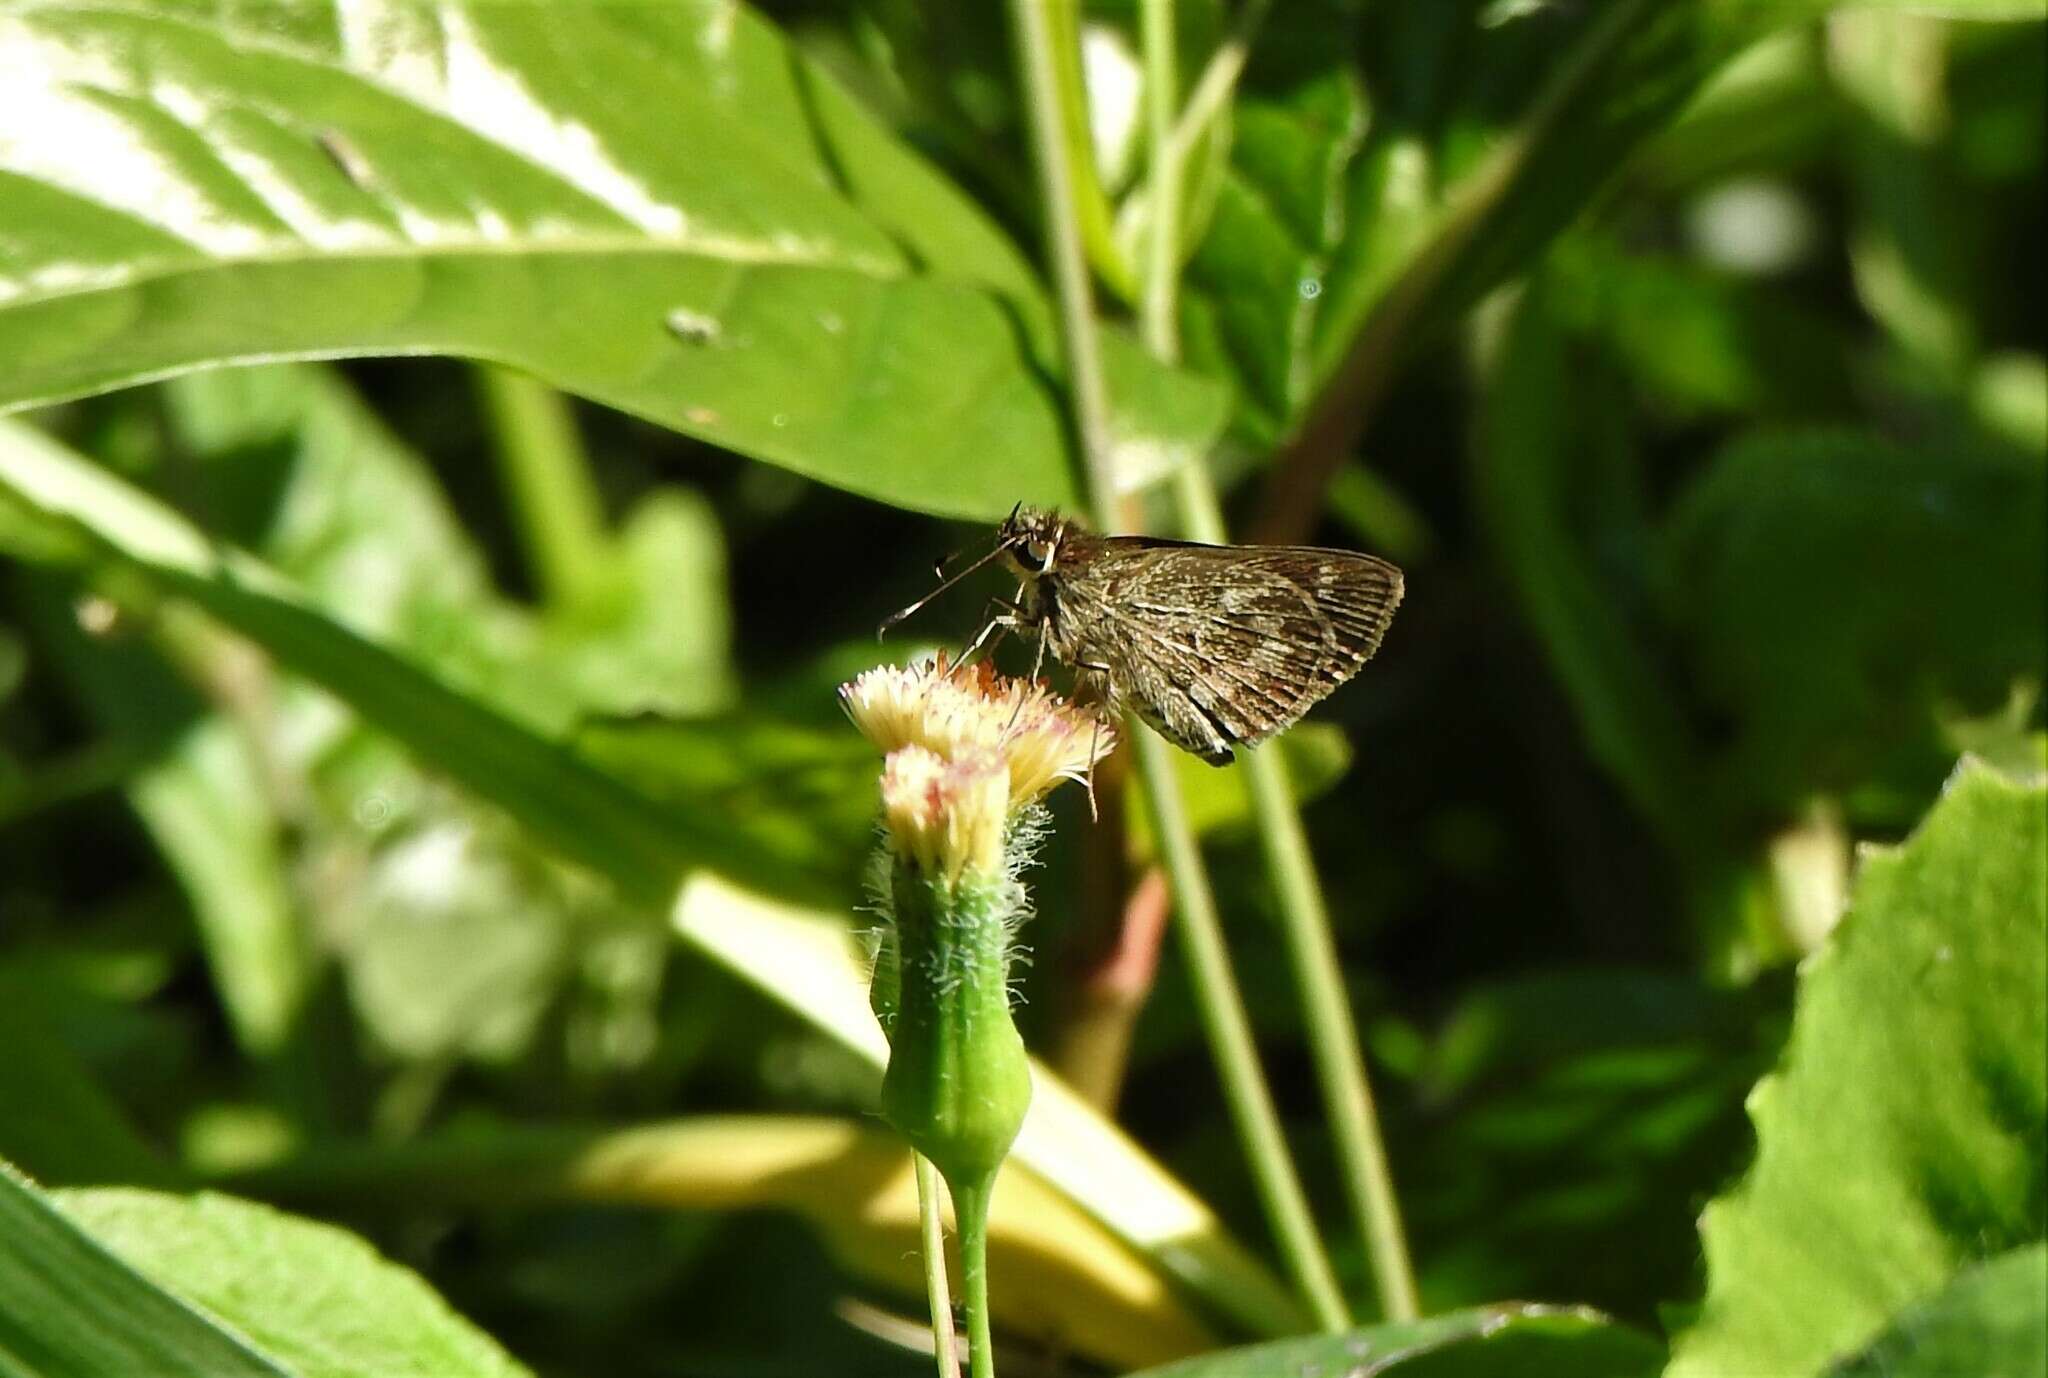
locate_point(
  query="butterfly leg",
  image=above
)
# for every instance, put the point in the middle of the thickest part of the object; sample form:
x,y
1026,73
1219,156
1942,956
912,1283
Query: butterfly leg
x,y
991,632
1037,663
1094,728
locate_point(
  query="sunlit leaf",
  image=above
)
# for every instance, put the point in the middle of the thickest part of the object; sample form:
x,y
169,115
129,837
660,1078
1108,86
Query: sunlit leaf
x,y
660,207
125,1281
1905,1136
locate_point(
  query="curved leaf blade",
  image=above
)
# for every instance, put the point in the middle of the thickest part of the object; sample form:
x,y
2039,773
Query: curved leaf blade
x,y
657,207
70,1309
1906,1134
315,1300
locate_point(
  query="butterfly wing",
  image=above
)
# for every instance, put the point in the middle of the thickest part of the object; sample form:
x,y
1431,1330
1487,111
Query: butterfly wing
x,y
1220,645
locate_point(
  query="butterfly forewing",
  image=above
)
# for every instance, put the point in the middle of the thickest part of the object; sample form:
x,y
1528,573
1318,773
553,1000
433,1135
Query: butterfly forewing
x,y
1218,645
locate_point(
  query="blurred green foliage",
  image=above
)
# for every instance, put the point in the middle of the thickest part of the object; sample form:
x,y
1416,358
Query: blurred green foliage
x,y
358,718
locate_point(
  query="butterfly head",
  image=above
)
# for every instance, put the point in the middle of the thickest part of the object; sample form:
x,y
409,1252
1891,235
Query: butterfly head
x,y
1030,539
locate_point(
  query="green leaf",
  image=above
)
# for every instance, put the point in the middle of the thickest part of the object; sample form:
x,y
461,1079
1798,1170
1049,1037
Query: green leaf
x,y
1488,1342
1991,1319
313,1300
71,1309
659,207
1835,590
1255,285
1484,139
801,958
1905,1136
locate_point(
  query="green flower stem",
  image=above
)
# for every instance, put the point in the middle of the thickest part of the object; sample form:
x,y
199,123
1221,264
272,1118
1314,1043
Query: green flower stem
x,y
1332,1035
932,1229
1305,916
1312,952
1230,1038
958,1081
1200,930
970,1216
547,478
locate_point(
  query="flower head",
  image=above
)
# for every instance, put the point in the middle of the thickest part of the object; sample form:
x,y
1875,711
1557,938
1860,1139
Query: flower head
x,y
946,817
956,712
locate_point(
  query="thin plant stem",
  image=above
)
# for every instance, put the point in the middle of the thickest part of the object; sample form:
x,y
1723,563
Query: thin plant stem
x,y
970,1217
1312,953
1332,1034
547,479
1305,916
1229,1033
1091,203
1200,929
1219,78
1160,320
1032,27
932,1229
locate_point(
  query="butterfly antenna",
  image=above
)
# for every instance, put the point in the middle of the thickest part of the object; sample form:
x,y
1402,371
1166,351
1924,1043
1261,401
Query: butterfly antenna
x,y
893,618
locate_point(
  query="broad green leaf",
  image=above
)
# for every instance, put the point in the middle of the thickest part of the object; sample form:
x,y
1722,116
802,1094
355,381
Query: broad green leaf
x,y
1255,285
1835,590
800,957
71,1309
1905,1135
1514,1338
660,207
1991,1319
312,1300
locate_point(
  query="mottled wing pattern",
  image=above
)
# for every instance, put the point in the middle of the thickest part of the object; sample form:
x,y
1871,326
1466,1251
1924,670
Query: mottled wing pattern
x,y
1217,645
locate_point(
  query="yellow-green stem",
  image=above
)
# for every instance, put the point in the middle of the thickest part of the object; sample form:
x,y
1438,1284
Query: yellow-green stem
x,y
932,1230
1305,917
1229,1033
1312,953
970,1218
1200,930
547,480
1162,261
1332,1034
1032,24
